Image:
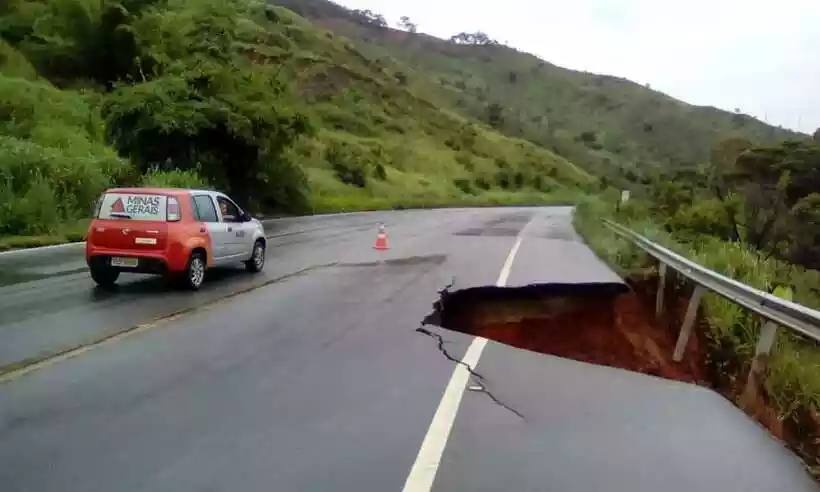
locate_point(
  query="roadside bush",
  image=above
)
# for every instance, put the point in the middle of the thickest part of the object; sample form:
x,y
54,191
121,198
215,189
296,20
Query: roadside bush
x,y
175,178
704,216
543,184
14,63
504,179
482,183
44,186
519,180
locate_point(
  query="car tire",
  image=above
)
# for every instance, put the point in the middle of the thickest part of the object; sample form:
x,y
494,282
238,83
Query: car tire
x,y
194,273
105,276
257,261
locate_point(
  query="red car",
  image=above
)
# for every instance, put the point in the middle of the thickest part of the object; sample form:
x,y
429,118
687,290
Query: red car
x,y
173,232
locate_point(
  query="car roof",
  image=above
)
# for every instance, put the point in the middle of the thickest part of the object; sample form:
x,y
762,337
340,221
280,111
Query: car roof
x,y
160,191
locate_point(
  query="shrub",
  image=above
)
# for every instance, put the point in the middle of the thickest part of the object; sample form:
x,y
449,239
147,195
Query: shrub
x,y
45,186
13,63
346,121
348,168
706,216
466,160
380,172
482,183
538,183
464,185
519,180
504,179
175,178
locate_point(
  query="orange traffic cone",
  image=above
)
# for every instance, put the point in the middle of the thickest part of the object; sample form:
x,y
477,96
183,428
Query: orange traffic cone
x,y
381,239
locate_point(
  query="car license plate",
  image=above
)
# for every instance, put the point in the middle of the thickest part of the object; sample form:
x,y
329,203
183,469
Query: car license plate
x,y
119,261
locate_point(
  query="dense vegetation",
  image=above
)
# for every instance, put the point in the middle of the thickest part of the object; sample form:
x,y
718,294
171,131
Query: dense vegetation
x,y
609,125
235,94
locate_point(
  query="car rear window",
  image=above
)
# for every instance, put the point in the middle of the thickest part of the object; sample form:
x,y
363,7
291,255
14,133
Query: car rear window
x,y
134,206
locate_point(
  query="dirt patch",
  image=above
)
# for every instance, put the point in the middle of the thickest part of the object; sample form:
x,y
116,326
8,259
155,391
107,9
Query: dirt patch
x,y
606,324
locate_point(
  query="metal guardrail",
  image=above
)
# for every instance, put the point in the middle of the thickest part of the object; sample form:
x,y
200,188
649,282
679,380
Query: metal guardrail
x,y
776,311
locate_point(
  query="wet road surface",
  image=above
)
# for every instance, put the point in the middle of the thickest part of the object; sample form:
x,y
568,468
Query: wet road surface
x,y
314,378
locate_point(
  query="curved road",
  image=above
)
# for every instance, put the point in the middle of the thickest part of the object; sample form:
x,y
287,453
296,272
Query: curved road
x,y
312,376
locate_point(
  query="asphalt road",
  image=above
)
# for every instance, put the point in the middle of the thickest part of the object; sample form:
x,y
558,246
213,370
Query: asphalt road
x,y
312,376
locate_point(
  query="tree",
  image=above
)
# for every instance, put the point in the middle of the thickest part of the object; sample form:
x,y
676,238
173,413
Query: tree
x,y
779,186
769,196
368,17
477,38
588,137
204,107
495,115
723,158
405,24
76,39
217,121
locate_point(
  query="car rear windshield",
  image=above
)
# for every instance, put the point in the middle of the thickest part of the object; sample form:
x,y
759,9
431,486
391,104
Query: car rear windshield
x,y
134,206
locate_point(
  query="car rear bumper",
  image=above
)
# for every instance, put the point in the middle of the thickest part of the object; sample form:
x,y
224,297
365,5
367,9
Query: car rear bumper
x,y
147,263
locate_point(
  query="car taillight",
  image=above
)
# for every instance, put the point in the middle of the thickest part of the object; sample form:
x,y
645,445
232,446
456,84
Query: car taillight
x,y
173,210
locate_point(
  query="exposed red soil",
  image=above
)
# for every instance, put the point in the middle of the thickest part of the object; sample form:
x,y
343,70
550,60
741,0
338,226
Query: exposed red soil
x,y
618,331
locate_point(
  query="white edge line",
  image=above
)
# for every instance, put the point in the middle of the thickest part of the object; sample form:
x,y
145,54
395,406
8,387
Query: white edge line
x,y
424,469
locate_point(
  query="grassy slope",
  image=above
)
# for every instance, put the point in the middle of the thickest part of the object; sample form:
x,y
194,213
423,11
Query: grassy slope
x,y
635,126
411,151
408,151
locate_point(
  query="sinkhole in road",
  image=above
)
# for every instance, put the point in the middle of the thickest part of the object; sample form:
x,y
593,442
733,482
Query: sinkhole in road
x,y
607,324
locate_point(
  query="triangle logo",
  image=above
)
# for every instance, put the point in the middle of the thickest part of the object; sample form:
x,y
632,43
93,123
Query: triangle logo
x,y
118,207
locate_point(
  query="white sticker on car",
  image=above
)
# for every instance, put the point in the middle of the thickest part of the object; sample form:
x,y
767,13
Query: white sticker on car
x,y
145,240
133,206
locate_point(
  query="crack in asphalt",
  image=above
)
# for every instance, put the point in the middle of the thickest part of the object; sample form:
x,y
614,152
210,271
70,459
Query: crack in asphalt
x,y
479,380
421,329
483,389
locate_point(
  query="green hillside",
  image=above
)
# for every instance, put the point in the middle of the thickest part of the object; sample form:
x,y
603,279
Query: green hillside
x,y
240,95
605,123
375,123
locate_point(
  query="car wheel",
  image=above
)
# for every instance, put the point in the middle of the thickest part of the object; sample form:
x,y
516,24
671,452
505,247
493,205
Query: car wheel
x,y
105,276
257,260
194,272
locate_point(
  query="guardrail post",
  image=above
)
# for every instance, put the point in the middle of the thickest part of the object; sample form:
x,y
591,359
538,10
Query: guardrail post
x,y
768,333
661,288
688,322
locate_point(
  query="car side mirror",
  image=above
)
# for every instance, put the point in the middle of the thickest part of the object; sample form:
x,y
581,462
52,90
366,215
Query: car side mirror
x,y
246,217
